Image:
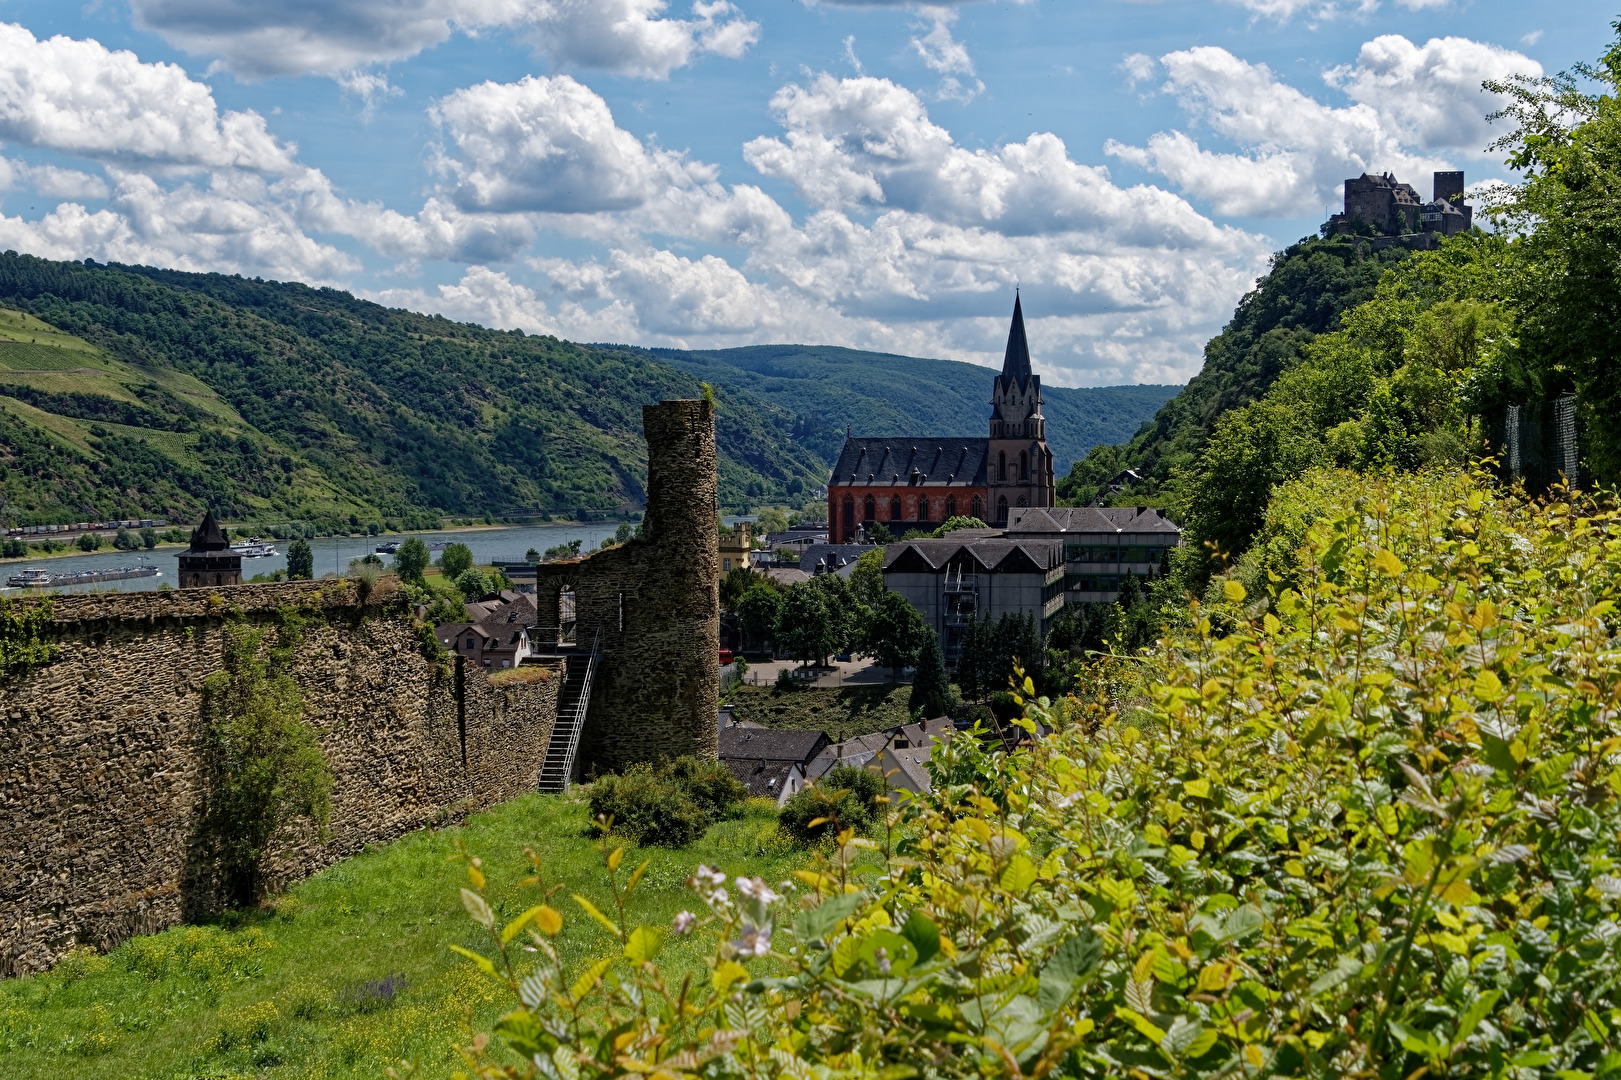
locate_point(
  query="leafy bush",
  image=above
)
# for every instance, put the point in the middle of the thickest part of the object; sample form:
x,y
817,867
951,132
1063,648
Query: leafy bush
x,y
668,805
846,798
454,560
1368,826
474,583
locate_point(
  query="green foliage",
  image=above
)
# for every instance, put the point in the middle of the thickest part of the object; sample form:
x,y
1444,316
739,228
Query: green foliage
x,y
931,686
807,628
559,552
959,522
411,560
770,520
668,805
991,649
894,632
878,533
474,583
846,798
1311,284
268,767
88,541
454,560
758,612
1367,827
867,578
736,583
300,560
12,548
27,635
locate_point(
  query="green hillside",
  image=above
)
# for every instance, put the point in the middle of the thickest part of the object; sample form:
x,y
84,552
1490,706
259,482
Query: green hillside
x,y
135,392
886,394
1310,285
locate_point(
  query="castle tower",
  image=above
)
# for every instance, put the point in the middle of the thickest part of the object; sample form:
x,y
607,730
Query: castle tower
x,y
1019,467
209,561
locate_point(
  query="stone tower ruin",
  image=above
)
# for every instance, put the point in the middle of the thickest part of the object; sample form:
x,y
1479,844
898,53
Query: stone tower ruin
x,y
652,606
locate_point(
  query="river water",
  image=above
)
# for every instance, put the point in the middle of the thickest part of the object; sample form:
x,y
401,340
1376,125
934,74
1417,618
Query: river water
x,y
507,544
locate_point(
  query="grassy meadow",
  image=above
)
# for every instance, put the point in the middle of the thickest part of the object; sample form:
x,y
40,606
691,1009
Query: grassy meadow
x,y
351,970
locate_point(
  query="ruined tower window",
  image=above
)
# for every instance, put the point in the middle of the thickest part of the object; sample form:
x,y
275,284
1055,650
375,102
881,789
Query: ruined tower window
x,y
565,615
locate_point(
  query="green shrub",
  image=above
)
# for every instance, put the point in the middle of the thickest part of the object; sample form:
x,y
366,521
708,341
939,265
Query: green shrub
x,y
846,798
646,806
710,784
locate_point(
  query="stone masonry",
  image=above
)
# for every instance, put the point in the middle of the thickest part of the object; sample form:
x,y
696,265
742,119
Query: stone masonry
x,y
656,603
103,770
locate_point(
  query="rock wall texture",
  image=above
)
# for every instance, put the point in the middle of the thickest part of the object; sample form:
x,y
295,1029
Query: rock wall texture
x,y
104,769
656,603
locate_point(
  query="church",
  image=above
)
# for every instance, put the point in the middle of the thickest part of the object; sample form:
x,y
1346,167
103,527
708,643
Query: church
x,y
919,482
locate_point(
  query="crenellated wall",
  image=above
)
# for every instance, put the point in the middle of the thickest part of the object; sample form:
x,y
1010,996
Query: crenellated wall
x,y
103,764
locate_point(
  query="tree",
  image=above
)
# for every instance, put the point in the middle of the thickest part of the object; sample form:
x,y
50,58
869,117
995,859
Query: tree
x,y
89,541
931,686
804,625
124,541
867,578
878,533
13,548
894,633
959,522
532,556
300,560
624,532
474,583
757,613
411,559
149,538
843,613
455,560
737,582
771,520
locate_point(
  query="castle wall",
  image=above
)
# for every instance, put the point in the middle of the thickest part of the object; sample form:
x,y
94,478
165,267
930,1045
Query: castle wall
x,y
653,605
104,769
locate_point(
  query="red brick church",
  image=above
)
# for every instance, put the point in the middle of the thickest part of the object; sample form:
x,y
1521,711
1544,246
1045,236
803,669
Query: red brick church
x,y
918,482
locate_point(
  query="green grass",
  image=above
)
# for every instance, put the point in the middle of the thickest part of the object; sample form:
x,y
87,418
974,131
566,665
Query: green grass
x,y
841,712
281,993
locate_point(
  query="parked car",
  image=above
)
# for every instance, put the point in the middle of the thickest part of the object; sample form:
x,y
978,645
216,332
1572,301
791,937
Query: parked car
x,y
725,657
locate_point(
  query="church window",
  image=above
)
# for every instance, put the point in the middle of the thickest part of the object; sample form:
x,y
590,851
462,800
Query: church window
x,y
1001,466
979,510
1024,465
871,512
895,508
923,508
849,518
951,506
1001,510
1021,500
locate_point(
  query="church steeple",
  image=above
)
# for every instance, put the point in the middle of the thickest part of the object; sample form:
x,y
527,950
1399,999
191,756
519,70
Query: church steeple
x,y
1016,361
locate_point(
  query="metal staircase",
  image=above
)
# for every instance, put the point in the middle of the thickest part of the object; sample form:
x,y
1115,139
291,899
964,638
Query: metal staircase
x,y
573,699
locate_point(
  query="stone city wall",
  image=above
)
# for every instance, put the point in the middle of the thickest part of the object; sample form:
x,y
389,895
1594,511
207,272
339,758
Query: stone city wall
x,y
103,763
653,605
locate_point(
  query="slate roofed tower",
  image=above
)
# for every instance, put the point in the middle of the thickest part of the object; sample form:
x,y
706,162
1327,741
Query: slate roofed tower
x,y
209,561
1020,466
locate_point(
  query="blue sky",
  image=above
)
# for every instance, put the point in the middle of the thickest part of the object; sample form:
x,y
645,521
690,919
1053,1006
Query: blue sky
x,y
871,174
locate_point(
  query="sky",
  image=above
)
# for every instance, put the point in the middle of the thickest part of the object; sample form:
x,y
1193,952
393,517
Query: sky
x,y
867,173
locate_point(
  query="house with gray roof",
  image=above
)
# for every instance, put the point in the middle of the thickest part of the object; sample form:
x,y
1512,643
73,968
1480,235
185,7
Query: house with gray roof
x,y
769,762
951,580
1101,544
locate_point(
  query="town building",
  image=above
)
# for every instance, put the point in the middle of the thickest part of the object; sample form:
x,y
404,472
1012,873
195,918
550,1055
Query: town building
x,y
735,547
918,482
770,763
1101,545
209,561
1390,210
968,574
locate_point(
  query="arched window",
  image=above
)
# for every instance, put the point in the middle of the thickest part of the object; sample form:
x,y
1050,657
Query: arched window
x,y
1001,510
951,506
871,512
849,518
1001,466
1024,465
895,508
979,509
923,508
1021,501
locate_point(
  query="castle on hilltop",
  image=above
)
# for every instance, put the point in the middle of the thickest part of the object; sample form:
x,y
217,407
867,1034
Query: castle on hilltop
x,y
1393,213
919,482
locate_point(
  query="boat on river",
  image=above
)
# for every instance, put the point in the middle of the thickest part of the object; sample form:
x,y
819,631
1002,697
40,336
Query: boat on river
x,y
37,577
253,548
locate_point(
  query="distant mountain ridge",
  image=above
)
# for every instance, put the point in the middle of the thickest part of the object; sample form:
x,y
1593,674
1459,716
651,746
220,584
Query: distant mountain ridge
x,y
140,392
881,394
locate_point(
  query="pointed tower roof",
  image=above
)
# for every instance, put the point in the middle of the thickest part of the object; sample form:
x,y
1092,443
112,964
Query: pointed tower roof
x,y
1016,362
209,536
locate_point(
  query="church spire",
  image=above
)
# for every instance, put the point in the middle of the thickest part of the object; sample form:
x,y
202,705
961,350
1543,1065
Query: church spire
x,y
1016,362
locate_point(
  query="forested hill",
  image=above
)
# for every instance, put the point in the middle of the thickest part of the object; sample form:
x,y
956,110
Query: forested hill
x,y
884,394
132,391
1309,286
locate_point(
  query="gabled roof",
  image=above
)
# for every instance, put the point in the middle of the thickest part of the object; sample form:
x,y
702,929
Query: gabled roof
x,y
1064,521
764,779
950,461
993,555
765,744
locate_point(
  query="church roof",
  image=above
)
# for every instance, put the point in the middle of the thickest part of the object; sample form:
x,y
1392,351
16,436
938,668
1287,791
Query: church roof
x,y
1016,361
938,462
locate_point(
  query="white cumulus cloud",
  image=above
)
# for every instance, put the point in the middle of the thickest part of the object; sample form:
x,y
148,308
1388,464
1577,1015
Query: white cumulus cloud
x,y
257,40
